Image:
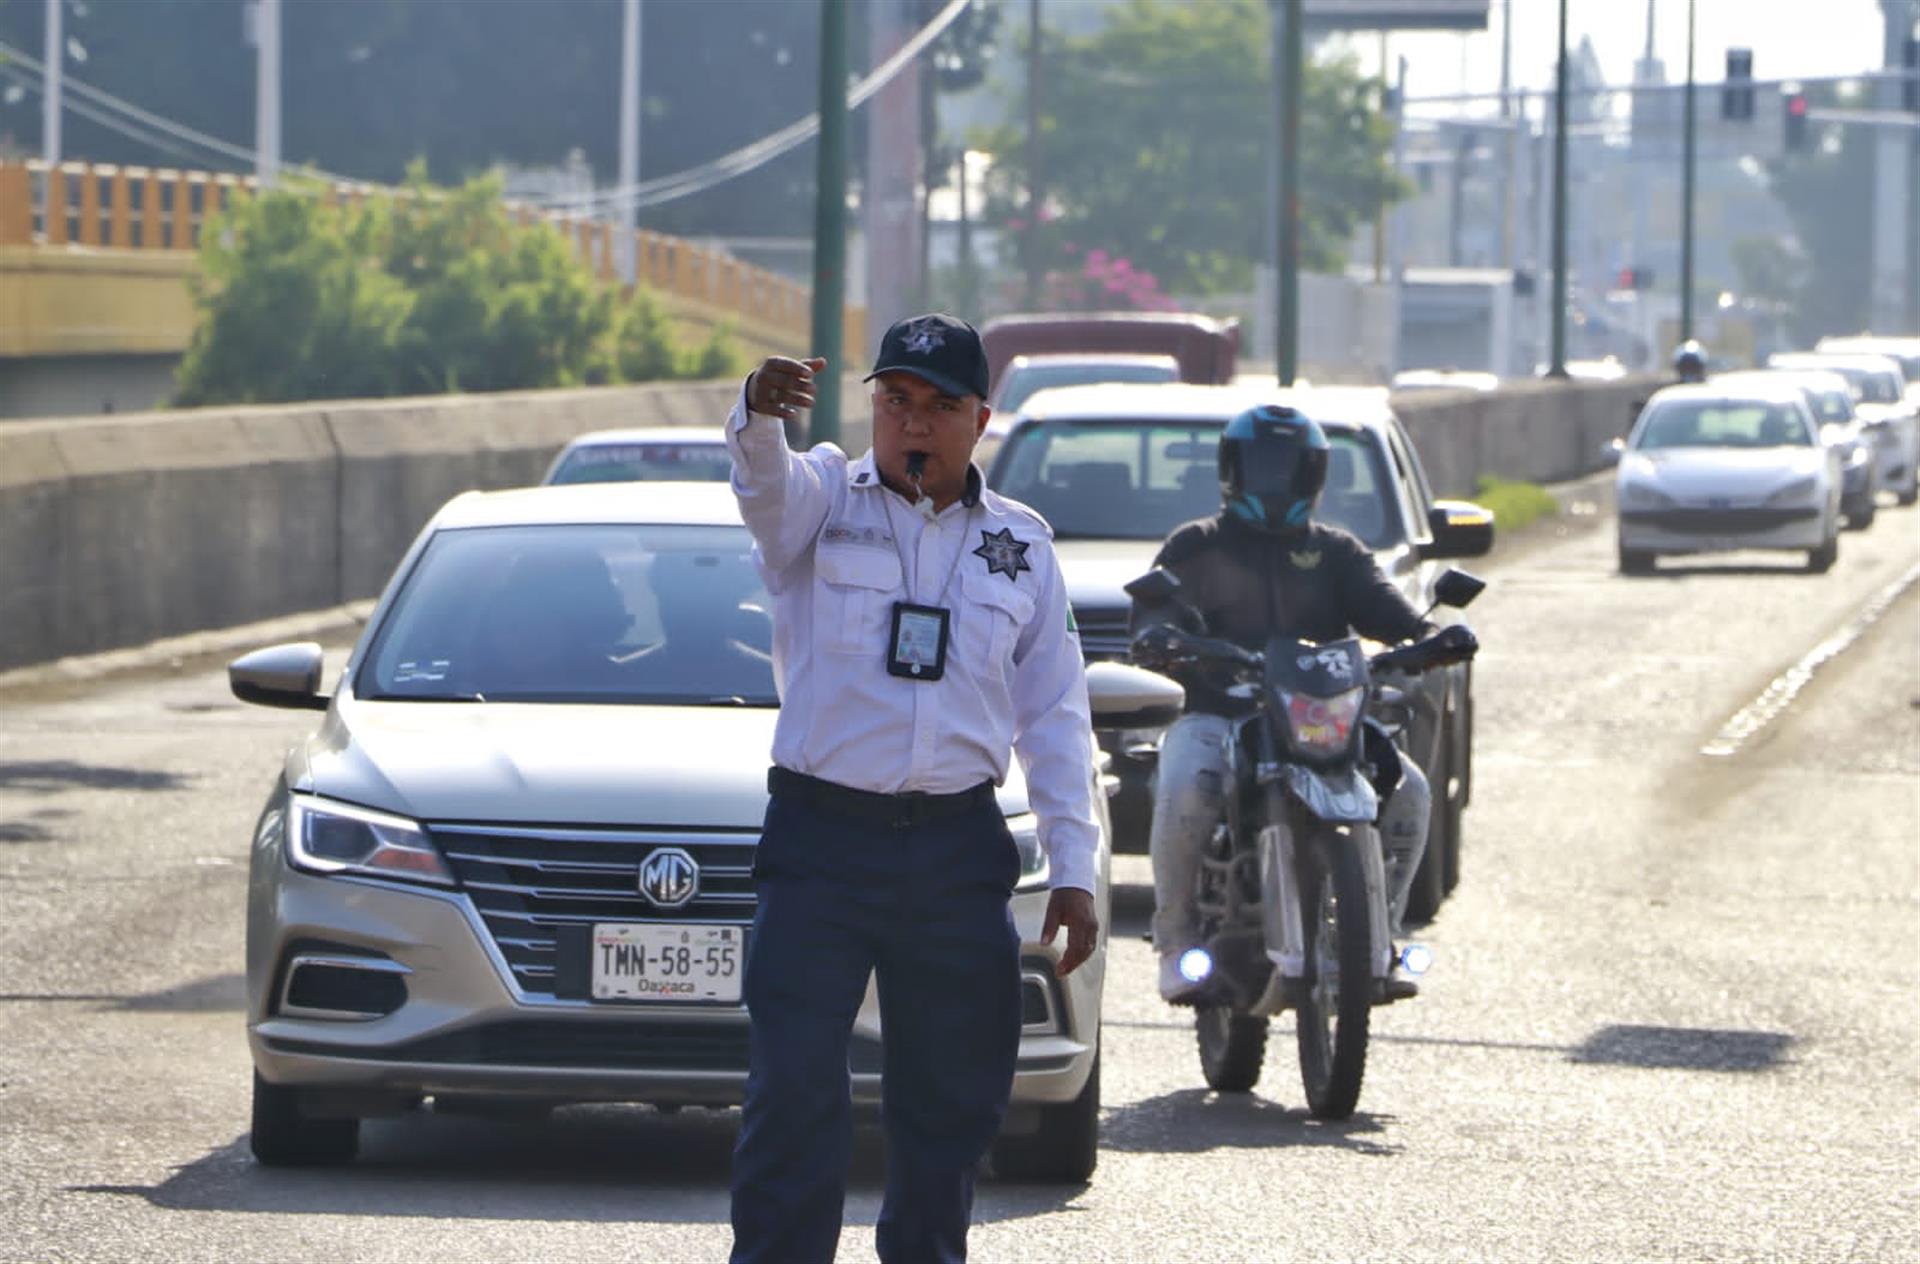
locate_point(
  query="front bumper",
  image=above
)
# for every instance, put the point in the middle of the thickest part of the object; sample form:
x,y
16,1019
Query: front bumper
x,y
463,1028
1721,530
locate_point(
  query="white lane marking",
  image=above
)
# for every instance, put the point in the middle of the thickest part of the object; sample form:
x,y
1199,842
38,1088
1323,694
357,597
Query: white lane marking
x,y
1775,698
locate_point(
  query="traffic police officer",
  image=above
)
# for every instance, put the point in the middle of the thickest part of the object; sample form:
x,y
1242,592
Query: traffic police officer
x,y
921,635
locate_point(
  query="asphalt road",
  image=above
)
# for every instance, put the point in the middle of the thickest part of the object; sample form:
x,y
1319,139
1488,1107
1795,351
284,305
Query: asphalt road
x,y
1674,1012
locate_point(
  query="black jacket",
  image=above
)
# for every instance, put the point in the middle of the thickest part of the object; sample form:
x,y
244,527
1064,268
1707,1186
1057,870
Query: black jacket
x,y
1319,584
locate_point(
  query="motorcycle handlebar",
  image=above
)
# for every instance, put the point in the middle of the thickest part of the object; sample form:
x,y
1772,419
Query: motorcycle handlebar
x,y
1453,644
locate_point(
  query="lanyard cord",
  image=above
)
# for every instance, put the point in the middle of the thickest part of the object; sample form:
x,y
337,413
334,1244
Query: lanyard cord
x,y
886,507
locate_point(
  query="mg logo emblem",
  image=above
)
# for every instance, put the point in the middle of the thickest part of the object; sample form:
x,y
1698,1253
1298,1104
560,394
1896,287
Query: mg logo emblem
x,y
669,878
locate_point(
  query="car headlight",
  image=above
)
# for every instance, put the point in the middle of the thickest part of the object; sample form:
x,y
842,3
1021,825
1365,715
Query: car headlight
x,y
1643,496
1858,454
328,837
1025,829
1798,490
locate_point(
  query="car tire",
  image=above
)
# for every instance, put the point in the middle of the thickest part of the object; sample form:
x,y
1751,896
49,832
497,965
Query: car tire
x,y
1910,493
1064,1149
1429,889
1821,560
1863,518
283,1137
1635,561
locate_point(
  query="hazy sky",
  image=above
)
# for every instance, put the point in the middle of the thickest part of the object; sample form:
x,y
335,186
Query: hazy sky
x,y
1789,38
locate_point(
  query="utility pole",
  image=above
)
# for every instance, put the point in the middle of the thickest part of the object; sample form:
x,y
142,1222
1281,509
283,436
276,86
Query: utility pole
x,y
830,222
1509,198
889,219
1036,190
629,139
1687,126
266,105
1287,282
1396,222
1892,152
1558,368
53,61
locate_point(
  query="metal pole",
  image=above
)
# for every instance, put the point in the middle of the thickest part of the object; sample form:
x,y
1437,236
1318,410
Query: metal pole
x,y
1035,190
1558,367
1380,220
1396,223
629,137
266,105
1293,56
53,61
1686,192
830,222
1509,198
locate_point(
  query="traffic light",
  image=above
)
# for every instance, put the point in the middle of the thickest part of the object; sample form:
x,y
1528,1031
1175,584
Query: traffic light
x,y
1736,98
1796,120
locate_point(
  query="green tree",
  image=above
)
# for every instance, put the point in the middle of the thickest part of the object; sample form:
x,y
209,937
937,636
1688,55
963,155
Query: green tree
x,y
1155,133
429,292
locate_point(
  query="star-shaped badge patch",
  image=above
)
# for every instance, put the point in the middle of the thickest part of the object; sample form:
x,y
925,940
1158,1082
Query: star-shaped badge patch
x,y
925,336
1004,554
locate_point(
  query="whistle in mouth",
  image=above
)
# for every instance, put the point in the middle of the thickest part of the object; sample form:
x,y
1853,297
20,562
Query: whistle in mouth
x,y
916,465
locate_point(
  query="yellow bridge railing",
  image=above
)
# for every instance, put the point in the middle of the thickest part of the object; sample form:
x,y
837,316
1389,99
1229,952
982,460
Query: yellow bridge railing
x,y
84,224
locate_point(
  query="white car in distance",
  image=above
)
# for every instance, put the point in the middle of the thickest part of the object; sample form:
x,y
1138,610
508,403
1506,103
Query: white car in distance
x,y
1715,469
1885,406
652,454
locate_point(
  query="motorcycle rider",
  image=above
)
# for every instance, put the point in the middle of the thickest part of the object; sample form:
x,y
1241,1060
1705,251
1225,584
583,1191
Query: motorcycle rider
x,y
1260,568
1690,361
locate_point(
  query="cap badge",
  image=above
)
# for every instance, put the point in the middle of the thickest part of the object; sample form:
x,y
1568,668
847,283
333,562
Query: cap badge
x,y
924,336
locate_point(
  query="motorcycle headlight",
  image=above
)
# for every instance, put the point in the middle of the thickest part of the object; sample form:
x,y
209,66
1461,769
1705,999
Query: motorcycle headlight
x,y
1025,829
1793,493
328,837
1323,726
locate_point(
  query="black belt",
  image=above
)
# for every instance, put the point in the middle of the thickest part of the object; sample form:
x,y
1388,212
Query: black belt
x,y
897,810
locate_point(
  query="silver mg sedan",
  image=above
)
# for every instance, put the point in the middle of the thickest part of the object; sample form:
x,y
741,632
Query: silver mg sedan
x,y
514,862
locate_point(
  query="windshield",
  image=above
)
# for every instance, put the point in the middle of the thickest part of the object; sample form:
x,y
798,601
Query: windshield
x,y
659,462
1025,379
1140,480
1718,424
1834,405
583,614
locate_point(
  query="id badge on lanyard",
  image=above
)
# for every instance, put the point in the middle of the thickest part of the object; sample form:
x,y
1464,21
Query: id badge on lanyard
x,y
917,646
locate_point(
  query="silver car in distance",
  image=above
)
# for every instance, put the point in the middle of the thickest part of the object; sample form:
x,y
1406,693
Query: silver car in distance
x,y
514,862
1711,468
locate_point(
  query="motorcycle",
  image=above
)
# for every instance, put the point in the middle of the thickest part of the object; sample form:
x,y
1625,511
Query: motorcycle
x,y
1292,894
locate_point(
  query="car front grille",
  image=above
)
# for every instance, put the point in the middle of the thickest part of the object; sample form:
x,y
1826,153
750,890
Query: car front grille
x,y
531,884
1717,521
1103,632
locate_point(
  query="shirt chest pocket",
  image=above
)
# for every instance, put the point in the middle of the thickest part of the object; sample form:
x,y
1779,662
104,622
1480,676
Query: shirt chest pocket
x,y
994,613
853,597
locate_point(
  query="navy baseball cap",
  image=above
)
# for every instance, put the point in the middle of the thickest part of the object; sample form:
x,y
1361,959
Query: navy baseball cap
x,y
942,349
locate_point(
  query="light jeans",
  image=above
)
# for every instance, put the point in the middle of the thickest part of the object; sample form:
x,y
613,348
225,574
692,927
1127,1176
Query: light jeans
x,y
1190,798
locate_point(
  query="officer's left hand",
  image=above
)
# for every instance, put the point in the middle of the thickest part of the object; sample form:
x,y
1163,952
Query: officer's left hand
x,y
1072,908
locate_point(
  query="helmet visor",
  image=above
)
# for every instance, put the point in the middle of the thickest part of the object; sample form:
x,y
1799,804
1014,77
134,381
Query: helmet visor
x,y
1277,467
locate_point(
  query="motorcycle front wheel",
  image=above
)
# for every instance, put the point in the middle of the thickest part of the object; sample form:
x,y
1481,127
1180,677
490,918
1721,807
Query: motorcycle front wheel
x,y
1336,999
1232,1048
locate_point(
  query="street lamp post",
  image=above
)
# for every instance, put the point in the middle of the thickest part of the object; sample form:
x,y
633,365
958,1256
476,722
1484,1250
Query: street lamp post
x,y
629,137
1559,300
53,64
266,106
830,222
1686,192
1291,49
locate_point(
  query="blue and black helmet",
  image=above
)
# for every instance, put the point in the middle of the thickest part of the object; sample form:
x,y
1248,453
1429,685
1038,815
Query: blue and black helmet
x,y
1273,463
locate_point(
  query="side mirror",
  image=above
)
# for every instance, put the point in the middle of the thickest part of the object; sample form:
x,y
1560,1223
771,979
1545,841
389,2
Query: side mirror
x,y
1157,587
1612,450
1457,588
1126,697
1460,529
279,676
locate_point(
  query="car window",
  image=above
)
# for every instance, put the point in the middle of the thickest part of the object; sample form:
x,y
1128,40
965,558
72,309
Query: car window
x,y
1138,481
591,614
1416,498
1720,424
1830,405
1023,380
1882,388
645,462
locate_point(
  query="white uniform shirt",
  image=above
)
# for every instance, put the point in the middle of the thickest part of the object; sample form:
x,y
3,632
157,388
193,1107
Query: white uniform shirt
x,y
837,550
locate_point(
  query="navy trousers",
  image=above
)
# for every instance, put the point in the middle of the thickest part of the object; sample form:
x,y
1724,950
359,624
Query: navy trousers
x,y
923,907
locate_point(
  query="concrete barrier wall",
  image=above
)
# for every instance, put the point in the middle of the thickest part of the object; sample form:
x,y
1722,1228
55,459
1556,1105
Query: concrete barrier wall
x,y
121,530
